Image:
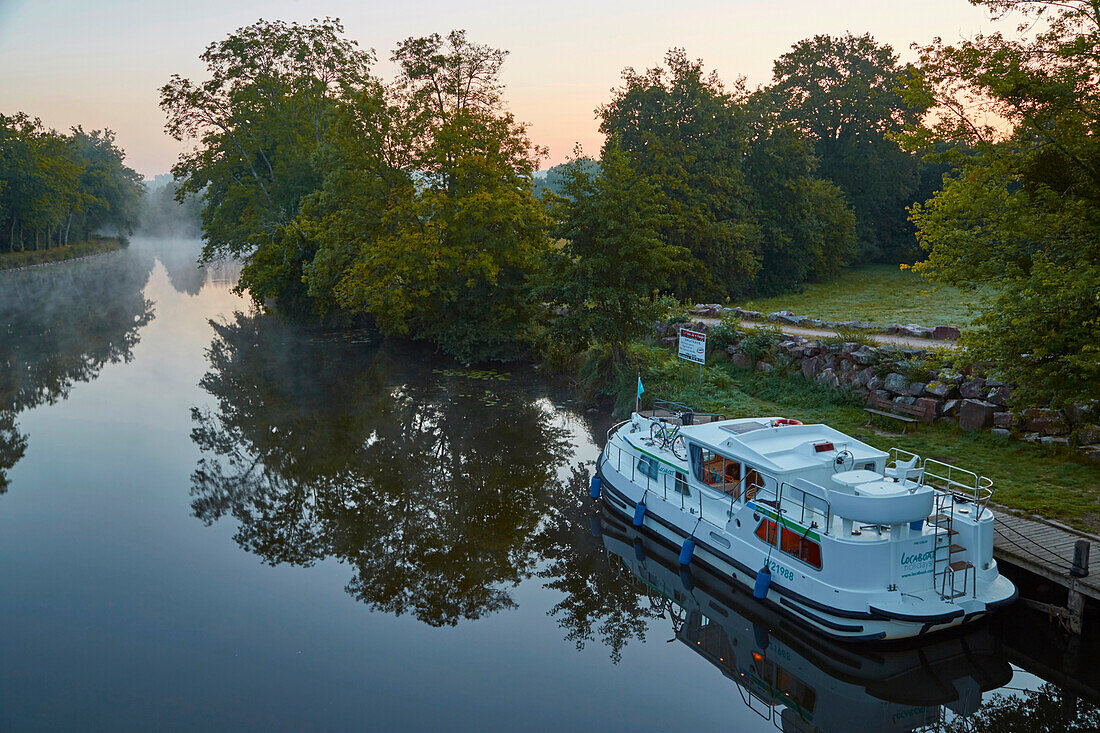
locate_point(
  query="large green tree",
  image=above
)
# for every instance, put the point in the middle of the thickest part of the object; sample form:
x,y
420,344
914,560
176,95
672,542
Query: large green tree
x,y
682,130
112,190
257,119
612,260
1023,211
426,219
845,94
738,184
807,230
52,181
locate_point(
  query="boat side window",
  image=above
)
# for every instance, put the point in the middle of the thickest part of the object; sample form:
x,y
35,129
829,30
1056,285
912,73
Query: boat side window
x,y
767,532
732,476
790,542
810,553
696,460
647,466
796,544
682,484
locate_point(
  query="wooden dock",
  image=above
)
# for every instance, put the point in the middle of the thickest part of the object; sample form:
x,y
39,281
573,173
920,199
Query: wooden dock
x,y
1046,549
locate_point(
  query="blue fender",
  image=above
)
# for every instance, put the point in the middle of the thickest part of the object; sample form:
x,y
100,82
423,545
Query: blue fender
x,y
594,488
687,551
763,582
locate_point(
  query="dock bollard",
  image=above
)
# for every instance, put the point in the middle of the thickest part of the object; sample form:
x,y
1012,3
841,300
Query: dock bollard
x,y
594,488
1080,559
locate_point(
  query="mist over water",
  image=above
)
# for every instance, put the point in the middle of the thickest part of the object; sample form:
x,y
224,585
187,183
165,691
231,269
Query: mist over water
x,y
216,519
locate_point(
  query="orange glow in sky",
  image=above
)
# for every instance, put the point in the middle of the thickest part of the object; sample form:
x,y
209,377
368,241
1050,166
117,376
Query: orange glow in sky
x,y
101,64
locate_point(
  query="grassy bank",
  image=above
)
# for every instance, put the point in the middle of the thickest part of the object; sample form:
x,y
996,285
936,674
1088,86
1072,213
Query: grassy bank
x,y
15,260
880,293
1032,478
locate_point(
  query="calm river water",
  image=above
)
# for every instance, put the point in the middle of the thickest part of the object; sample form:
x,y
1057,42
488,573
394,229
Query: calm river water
x,y
210,519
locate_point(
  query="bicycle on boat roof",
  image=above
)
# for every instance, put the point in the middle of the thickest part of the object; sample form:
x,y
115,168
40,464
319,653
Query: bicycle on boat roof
x,y
667,435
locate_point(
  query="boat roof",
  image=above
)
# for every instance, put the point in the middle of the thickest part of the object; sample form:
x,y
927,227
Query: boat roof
x,y
780,449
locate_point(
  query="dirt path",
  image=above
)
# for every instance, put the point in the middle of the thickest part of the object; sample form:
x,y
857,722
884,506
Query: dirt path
x,y
817,333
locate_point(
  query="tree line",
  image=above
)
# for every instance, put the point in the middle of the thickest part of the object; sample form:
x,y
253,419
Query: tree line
x,y
57,188
411,202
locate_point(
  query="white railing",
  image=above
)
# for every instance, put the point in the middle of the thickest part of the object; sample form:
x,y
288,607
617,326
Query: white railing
x,y
718,507
786,499
809,512
950,479
712,507
958,481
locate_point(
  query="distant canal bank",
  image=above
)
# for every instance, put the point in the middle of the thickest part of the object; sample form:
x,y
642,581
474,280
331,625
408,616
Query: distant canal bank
x,y
213,518
79,250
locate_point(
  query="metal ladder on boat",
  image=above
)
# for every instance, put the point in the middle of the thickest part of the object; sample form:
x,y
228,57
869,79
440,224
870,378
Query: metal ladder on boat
x,y
945,570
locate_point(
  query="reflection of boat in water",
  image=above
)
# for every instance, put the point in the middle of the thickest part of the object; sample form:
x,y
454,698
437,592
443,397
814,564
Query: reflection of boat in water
x,y
850,540
801,680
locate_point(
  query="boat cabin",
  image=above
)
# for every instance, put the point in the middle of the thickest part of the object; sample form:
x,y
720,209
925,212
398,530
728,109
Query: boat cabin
x,y
800,483
752,455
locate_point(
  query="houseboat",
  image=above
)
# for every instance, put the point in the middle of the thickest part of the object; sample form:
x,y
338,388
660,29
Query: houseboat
x,y
852,541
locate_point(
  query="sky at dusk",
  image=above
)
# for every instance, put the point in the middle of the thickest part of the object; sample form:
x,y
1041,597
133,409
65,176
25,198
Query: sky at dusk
x,y
100,64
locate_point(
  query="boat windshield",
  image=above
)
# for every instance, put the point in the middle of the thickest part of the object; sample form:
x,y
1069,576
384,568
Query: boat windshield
x,y
716,471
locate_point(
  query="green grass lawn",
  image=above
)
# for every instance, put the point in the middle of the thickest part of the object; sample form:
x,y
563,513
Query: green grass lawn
x,y
882,294
1051,483
13,260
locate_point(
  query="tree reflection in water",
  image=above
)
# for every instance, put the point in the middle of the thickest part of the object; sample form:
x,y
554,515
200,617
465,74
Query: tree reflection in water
x,y
60,325
433,485
600,598
1048,708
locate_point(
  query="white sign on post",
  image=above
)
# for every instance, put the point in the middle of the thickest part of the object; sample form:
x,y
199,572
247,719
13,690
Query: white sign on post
x,y
693,346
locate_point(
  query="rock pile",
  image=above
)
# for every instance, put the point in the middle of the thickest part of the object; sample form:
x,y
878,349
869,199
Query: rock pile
x,y
913,330
972,402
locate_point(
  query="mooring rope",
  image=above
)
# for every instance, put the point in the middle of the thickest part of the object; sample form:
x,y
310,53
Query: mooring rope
x,y
1067,563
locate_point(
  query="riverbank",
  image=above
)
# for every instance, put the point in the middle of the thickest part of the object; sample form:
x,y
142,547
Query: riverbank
x,y
79,250
1043,480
